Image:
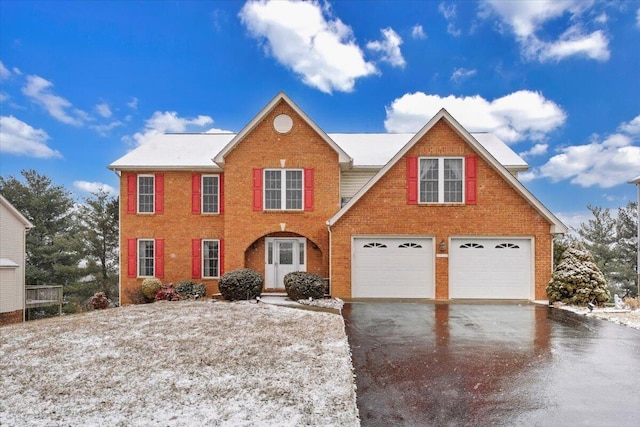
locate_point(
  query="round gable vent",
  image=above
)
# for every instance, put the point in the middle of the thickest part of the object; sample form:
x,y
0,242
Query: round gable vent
x,y
282,123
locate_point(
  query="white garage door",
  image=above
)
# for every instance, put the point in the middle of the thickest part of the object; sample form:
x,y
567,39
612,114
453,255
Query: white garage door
x,y
392,267
496,268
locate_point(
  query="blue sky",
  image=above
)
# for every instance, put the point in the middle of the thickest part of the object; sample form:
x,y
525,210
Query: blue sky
x,y
84,82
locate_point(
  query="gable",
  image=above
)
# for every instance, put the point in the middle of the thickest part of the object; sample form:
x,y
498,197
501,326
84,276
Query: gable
x,y
443,136
266,118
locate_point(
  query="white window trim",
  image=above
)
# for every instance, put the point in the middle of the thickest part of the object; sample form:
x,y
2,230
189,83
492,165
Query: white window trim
x,y
202,259
441,160
153,210
138,257
202,194
283,189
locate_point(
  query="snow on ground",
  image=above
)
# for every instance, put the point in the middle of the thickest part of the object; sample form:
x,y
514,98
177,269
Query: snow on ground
x,y
629,318
179,364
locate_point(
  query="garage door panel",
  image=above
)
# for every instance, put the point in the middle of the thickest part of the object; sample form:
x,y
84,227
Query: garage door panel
x,y
493,268
392,267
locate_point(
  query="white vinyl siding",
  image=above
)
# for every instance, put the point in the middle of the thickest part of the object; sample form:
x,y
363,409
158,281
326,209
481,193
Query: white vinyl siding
x,y
146,193
12,255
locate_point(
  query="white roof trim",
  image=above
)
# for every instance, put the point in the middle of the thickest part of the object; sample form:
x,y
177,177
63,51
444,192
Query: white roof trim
x,y
557,226
635,180
7,263
343,157
16,213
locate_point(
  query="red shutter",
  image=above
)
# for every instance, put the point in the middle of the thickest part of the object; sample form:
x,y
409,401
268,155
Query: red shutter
x,y
196,182
132,257
159,273
196,260
308,189
221,193
471,179
132,187
257,189
159,208
221,257
412,180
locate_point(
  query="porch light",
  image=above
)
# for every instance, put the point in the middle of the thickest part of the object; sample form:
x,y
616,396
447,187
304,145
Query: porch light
x,y
443,246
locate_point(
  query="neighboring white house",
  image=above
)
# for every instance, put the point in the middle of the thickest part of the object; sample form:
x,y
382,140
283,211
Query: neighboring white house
x,y
13,229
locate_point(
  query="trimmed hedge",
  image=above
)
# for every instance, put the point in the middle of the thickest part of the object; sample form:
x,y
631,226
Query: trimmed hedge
x,y
243,284
150,287
304,285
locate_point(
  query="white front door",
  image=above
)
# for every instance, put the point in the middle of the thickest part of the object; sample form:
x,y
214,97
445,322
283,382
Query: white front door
x,y
283,256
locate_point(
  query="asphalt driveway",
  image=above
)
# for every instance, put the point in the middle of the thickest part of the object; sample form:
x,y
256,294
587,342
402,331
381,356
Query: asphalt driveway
x,y
491,364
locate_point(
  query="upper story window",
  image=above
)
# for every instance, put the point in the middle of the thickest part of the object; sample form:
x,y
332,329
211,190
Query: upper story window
x,y
146,193
283,189
441,180
210,193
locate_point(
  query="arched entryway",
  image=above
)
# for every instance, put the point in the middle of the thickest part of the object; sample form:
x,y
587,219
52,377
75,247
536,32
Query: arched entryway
x,y
277,254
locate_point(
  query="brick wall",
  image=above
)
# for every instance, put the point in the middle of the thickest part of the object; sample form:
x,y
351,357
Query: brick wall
x,y
499,211
11,317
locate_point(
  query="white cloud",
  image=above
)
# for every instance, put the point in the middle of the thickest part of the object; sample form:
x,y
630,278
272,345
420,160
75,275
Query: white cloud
x,y
528,18
449,12
638,18
389,47
39,90
104,110
632,127
167,122
4,72
133,104
462,74
514,117
536,150
603,163
417,32
303,36
103,130
19,138
93,187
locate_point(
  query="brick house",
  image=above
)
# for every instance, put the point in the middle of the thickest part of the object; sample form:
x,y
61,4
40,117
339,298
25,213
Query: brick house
x,y
436,214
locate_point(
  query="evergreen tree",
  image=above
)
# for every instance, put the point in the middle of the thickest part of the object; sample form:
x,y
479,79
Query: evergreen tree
x,y
599,237
626,250
52,247
577,279
99,224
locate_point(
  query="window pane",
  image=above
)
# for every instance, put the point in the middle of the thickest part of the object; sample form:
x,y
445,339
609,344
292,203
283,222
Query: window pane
x,y
270,253
294,189
452,180
210,194
145,194
429,180
210,258
285,253
145,258
302,244
272,190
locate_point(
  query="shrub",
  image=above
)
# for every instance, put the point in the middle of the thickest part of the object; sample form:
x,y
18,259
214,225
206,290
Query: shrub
x,y
577,279
99,301
188,289
631,303
303,285
150,287
243,284
167,293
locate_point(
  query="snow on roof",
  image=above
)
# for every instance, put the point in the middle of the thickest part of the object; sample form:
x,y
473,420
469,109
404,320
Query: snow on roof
x,y
175,151
6,262
195,150
376,149
635,180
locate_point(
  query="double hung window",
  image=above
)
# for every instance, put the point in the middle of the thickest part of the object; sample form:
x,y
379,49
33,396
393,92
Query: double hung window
x,y
146,193
283,189
441,180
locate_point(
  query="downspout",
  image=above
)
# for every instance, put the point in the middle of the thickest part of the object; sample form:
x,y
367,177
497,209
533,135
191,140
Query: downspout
x,y
330,258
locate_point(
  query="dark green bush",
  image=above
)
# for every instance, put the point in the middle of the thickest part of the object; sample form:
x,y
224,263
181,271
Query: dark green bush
x,y
188,289
243,284
303,285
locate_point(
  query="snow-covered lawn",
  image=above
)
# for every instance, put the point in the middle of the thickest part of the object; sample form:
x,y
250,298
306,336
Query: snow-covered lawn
x,y
629,318
179,364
